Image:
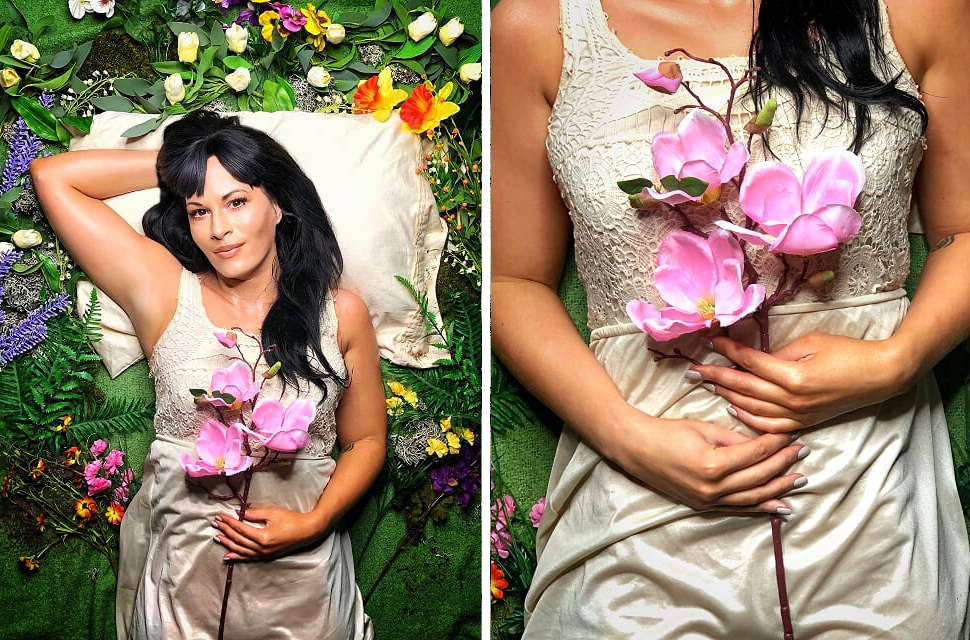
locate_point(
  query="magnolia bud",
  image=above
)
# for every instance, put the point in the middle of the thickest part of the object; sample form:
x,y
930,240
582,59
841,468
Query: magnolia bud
x,y
239,79
422,26
761,122
272,371
336,33
237,38
470,72
644,202
174,89
188,46
22,50
818,280
8,78
26,238
451,31
665,77
318,77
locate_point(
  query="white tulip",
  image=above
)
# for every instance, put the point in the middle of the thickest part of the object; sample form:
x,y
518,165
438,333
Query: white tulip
x,y
5,247
237,38
318,77
174,89
451,31
239,79
470,72
422,26
336,33
188,46
27,238
22,50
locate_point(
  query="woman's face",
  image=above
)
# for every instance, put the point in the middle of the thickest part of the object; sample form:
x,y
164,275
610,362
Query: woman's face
x,y
234,224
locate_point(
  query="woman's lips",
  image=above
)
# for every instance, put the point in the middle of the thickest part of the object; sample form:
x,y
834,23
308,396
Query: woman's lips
x,y
229,250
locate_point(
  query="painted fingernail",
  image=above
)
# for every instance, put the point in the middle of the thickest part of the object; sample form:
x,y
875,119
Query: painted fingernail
x,y
215,525
803,453
707,344
783,511
690,374
709,387
800,482
732,412
217,519
216,539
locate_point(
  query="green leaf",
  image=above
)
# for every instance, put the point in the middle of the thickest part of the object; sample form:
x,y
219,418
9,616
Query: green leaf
x,y
378,15
402,13
471,54
81,123
278,95
169,67
51,273
412,49
305,57
179,27
448,54
81,53
205,61
235,62
361,68
196,393
63,135
414,66
634,186
9,61
145,127
37,117
132,86
693,187
62,59
54,83
13,14
217,37
113,103
39,26
5,35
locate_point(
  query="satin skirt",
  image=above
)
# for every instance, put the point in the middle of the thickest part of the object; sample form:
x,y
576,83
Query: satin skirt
x,y
876,546
172,575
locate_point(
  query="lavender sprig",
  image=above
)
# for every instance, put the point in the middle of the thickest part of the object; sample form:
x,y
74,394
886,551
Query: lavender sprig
x,y
24,147
32,330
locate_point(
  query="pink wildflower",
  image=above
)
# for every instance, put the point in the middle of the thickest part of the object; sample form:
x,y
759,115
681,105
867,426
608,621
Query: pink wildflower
x,y
113,461
98,447
91,470
279,429
97,485
228,339
535,515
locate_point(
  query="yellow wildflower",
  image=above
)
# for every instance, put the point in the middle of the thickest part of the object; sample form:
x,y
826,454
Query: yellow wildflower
x,y
396,388
436,448
316,26
453,443
411,398
269,20
394,406
446,424
468,435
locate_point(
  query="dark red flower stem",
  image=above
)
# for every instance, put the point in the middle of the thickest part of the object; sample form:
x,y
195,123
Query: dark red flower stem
x,y
786,624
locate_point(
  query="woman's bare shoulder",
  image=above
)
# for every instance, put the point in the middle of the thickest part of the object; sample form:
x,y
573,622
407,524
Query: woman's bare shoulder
x,y
526,43
353,319
931,36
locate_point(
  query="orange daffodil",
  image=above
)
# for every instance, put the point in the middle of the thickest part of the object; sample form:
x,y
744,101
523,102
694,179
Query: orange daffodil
x,y
424,110
317,22
377,95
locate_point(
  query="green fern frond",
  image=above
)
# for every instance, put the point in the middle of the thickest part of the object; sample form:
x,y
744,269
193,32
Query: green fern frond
x,y
112,416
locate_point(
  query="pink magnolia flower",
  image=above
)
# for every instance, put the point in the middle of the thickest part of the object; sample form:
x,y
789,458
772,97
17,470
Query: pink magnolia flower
x,y
535,515
807,217
219,451
236,380
97,485
113,461
701,281
279,429
98,447
664,77
227,339
698,150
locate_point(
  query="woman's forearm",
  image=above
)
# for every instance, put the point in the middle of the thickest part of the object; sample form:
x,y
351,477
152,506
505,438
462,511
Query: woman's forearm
x,y
358,465
97,174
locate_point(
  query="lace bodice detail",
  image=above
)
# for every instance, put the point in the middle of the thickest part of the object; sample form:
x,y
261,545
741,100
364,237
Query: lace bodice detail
x,y
600,131
187,353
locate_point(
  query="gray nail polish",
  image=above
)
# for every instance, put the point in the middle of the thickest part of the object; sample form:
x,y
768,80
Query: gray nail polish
x,y
803,453
214,525
783,511
707,344
709,387
690,374
732,412
800,482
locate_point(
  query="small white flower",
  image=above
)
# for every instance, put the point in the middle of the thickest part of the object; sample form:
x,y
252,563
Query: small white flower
x,y
336,33
23,50
422,26
318,77
5,247
451,31
237,37
107,7
78,8
239,79
26,238
470,72
174,89
188,46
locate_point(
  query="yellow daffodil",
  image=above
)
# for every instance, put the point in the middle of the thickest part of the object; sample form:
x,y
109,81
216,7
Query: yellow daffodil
x,y
436,448
468,435
377,95
411,398
316,25
423,110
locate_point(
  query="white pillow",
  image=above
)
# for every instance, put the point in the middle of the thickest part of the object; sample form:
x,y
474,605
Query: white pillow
x,y
383,212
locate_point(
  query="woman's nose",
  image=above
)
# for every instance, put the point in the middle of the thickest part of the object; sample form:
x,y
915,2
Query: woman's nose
x,y
220,226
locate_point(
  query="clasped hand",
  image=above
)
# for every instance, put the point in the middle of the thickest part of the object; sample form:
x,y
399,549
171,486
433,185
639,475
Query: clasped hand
x,y
283,531
808,381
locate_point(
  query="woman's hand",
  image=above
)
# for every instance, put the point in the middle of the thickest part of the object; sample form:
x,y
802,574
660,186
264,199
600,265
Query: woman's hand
x,y
806,382
283,531
709,467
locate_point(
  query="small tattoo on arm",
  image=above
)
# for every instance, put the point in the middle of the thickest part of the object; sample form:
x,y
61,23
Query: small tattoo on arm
x,y
945,242
348,447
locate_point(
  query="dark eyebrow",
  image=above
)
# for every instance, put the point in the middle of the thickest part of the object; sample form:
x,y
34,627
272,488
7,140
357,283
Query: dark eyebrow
x,y
226,197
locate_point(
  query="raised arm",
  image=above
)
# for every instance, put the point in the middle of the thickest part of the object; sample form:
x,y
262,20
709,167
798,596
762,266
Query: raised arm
x,y
361,435
700,464
136,272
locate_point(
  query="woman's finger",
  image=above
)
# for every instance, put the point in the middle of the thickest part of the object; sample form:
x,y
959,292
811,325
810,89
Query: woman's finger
x,y
769,424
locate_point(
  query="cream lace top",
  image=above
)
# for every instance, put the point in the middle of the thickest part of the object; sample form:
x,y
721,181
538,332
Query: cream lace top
x,y
187,353
600,132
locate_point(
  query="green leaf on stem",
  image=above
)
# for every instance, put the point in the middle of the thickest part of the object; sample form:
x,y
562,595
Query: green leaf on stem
x,y
412,49
448,54
132,86
145,127
81,123
37,117
634,186
693,187
62,59
376,17
54,83
235,62
113,103
169,67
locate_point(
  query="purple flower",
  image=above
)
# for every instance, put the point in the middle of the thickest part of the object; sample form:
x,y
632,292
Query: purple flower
x,y
32,330
460,477
291,18
248,15
121,493
99,447
113,460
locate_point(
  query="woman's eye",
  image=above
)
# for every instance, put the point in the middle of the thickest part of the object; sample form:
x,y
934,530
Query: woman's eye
x,y
236,203
196,213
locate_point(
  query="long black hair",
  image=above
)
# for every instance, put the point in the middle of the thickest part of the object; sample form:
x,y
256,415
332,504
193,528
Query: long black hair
x,y
830,50
309,260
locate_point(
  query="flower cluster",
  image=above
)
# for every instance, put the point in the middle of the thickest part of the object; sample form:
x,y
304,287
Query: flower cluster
x,y
450,440
459,476
512,549
400,396
421,112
